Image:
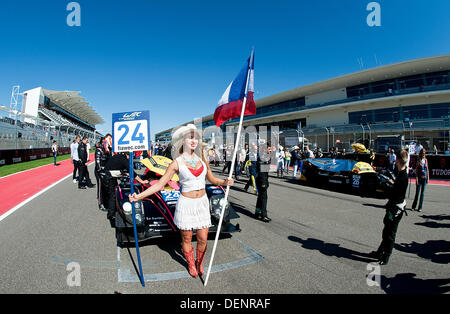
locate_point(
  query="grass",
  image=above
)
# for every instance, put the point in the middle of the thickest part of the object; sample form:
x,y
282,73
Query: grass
x,y
10,169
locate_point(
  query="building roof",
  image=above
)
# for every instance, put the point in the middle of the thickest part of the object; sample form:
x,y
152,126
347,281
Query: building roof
x,y
391,71
74,104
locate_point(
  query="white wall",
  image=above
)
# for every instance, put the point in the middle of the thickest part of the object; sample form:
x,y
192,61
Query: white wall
x,y
329,117
324,97
33,98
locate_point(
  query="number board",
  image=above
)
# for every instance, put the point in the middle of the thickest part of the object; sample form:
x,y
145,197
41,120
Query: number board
x,y
131,131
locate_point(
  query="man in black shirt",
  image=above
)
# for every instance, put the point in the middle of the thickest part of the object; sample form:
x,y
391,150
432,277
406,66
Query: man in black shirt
x,y
228,159
252,155
102,154
262,182
119,162
394,210
83,155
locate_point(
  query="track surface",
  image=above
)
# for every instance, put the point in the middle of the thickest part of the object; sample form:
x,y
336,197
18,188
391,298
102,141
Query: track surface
x,y
21,186
316,243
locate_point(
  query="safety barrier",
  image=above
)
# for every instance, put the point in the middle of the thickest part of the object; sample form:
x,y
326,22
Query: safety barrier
x,y
8,157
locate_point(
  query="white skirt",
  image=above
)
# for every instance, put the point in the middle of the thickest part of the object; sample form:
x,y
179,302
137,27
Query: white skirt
x,y
192,213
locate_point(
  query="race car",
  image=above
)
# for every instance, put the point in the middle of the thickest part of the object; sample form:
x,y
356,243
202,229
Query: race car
x,y
351,176
154,215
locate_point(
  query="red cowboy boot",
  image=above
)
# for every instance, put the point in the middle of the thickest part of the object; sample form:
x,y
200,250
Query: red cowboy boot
x,y
191,262
199,262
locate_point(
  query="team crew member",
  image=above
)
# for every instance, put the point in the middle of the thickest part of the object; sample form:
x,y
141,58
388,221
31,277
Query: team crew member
x,y
372,157
192,210
394,210
54,152
392,158
120,163
83,155
102,154
75,159
296,156
262,183
252,156
422,176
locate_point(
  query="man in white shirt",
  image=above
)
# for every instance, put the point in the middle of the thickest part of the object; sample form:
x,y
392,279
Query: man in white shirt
x,y
240,162
75,158
392,159
280,161
54,152
88,149
308,153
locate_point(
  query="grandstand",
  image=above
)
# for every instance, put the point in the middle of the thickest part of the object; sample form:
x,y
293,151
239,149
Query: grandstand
x,y
47,115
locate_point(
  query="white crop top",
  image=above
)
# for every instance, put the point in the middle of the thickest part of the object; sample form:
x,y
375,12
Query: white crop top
x,y
188,181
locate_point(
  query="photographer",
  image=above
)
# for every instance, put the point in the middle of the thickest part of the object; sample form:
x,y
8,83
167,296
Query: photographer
x,y
394,210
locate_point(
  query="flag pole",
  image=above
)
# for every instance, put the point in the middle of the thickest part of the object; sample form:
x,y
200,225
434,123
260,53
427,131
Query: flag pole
x,y
230,175
141,273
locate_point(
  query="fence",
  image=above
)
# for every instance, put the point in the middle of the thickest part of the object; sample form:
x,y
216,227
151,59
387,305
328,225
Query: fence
x,y
429,133
39,133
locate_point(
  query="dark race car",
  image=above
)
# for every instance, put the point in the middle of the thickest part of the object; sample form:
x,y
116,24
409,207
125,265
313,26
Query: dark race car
x,y
154,215
348,176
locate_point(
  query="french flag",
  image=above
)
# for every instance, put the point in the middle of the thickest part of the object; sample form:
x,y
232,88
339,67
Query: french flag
x,y
230,105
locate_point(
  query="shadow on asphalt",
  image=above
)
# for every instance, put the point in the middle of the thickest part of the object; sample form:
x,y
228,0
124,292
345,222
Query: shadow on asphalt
x,y
332,249
375,205
407,284
437,251
432,224
242,210
436,217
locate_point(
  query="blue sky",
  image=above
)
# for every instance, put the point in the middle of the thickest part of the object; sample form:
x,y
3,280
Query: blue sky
x,y
176,58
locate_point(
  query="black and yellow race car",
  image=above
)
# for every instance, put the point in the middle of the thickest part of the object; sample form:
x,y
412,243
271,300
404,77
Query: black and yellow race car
x,y
347,175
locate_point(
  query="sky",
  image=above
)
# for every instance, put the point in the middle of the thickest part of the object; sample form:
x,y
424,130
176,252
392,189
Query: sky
x,y
176,58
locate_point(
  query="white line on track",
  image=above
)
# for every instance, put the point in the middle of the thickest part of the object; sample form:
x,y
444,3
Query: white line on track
x,y
12,210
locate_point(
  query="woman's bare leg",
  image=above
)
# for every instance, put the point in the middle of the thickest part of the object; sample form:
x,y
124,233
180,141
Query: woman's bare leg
x,y
186,238
202,239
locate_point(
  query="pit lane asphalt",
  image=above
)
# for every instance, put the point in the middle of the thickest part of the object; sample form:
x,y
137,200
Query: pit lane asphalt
x,y
316,243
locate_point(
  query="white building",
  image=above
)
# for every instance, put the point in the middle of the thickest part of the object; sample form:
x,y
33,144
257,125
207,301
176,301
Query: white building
x,y
410,99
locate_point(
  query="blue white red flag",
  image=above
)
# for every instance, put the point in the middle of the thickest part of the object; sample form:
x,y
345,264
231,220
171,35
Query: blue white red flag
x,y
230,105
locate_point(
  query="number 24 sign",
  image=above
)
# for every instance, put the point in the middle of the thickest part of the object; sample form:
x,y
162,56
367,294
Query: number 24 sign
x,y
131,131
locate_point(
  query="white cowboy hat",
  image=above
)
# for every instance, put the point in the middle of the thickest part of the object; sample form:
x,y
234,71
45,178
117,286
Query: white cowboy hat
x,y
295,147
179,134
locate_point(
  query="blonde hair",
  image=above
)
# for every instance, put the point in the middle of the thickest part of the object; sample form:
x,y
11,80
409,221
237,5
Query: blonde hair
x,y
198,150
403,154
